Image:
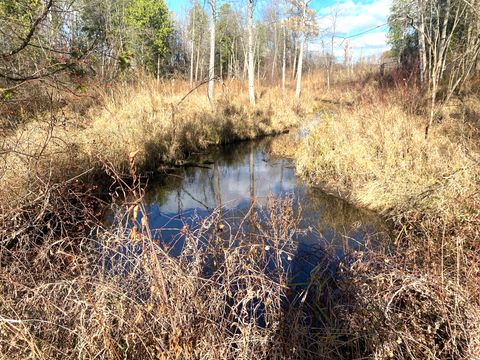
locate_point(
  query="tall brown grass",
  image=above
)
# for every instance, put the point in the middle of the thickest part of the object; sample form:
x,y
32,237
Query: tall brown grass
x,y
162,121
372,151
71,288
116,294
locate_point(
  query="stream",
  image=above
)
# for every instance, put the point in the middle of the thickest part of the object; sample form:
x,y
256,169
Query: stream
x,y
235,176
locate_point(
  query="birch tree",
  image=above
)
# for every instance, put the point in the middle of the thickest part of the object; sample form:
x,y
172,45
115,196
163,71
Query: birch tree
x,y
298,89
331,59
198,29
211,65
448,47
251,66
302,19
284,54
192,53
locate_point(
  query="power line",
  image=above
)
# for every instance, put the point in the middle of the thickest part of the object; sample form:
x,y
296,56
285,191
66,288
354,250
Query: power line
x,y
363,32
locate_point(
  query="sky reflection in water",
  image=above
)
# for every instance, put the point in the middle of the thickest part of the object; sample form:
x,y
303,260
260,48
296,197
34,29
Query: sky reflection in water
x,y
230,176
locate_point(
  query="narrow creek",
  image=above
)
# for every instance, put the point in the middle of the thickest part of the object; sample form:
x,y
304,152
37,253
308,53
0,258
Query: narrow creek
x,y
236,176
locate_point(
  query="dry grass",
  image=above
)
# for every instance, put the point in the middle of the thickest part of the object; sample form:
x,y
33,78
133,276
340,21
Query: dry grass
x,y
401,313
375,152
380,155
151,118
71,288
163,127
119,295
422,303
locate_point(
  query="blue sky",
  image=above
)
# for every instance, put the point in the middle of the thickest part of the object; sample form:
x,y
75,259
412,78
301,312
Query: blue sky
x,y
354,17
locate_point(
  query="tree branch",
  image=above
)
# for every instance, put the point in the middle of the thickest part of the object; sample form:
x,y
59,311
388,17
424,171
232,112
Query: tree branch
x,y
30,34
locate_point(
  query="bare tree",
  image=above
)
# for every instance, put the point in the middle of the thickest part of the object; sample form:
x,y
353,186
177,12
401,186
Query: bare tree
x,y
303,20
192,53
211,66
331,58
421,40
284,55
448,33
251,66
451,19
300,55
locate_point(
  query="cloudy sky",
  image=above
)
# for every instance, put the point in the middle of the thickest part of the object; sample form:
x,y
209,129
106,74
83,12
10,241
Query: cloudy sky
x,y
364,17
361,23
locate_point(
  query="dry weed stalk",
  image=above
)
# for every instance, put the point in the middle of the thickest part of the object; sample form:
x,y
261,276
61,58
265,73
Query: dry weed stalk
x,y
115,294
399,313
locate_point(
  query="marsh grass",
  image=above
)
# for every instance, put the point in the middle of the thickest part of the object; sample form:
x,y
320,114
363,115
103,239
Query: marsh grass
x,y
162,121
71,288
373,152
375,155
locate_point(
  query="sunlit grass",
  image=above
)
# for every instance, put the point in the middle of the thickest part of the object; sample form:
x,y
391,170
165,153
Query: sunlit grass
x,y
162,121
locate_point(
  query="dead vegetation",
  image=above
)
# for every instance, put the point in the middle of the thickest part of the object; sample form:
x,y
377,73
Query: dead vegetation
x,y
71,288
159,120
409,313
422,302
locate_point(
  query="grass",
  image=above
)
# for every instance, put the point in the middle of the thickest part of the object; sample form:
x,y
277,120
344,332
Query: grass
x,y
378,154
150,118
375,153
119,295
70,288
372,150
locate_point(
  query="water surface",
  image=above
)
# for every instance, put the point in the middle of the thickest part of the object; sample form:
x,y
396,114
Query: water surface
x,y
238,176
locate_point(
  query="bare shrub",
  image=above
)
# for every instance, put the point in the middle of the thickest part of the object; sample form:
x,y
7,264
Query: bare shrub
x,y
119,294
400,313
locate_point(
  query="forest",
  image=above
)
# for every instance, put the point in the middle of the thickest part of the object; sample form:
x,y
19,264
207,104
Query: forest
x,y
238,179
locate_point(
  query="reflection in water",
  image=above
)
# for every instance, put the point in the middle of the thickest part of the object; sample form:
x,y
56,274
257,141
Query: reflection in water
x,y
236,177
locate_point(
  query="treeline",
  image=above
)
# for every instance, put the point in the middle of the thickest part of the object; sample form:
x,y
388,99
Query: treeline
x,y
440,41
42,40
119,38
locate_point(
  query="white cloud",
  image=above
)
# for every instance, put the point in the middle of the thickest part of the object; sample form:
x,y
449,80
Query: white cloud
x,y
376,40
353,15
352,18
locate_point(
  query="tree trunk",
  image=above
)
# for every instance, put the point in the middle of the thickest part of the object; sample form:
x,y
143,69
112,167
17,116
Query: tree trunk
x,y
245,61
294,67
251,69
442,49
192,54
300,55
284,57
211,65
275,40
331,58
299,67
229,66
198,63
258,66
221,65
421,39
438,65
103,64
432,107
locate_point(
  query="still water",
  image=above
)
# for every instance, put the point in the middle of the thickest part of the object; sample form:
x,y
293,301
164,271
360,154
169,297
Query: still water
x,y
236,176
